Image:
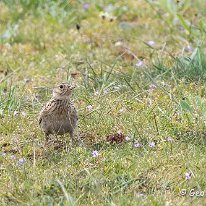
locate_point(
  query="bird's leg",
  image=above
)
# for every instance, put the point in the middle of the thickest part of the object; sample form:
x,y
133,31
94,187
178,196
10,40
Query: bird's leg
x,y
72,136
76,138
46,140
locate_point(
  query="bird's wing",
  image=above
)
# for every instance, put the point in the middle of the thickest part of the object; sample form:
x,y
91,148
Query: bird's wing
x,y
47,109
50,106
72,111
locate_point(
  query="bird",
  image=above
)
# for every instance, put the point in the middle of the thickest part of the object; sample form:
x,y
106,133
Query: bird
x,y
59,116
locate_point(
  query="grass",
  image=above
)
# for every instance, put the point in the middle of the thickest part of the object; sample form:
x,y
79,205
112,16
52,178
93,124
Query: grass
x,y
139,69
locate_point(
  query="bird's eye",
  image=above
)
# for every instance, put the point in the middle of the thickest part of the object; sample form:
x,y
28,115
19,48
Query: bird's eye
x,y
61,86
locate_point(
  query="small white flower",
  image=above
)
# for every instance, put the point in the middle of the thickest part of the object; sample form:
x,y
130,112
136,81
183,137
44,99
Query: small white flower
x,y
150,90
85,5
96,93
21,161
151,144
188,48
127,138
188,175
13,157
152,86
89,107
136,144
15,113
105,92
121,110
151,43
169,139
94,153
24,114
139,64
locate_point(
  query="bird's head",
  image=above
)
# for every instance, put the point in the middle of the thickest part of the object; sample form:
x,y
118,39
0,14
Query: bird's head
x,y
62,91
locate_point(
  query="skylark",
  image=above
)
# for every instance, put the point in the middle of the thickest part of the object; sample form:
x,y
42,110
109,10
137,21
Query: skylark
x,y
59,115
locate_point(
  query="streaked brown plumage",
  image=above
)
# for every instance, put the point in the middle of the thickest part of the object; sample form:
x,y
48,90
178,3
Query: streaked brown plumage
x,y
59,115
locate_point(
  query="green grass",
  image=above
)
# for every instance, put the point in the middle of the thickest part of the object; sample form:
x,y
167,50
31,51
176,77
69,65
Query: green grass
x,y
142,69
